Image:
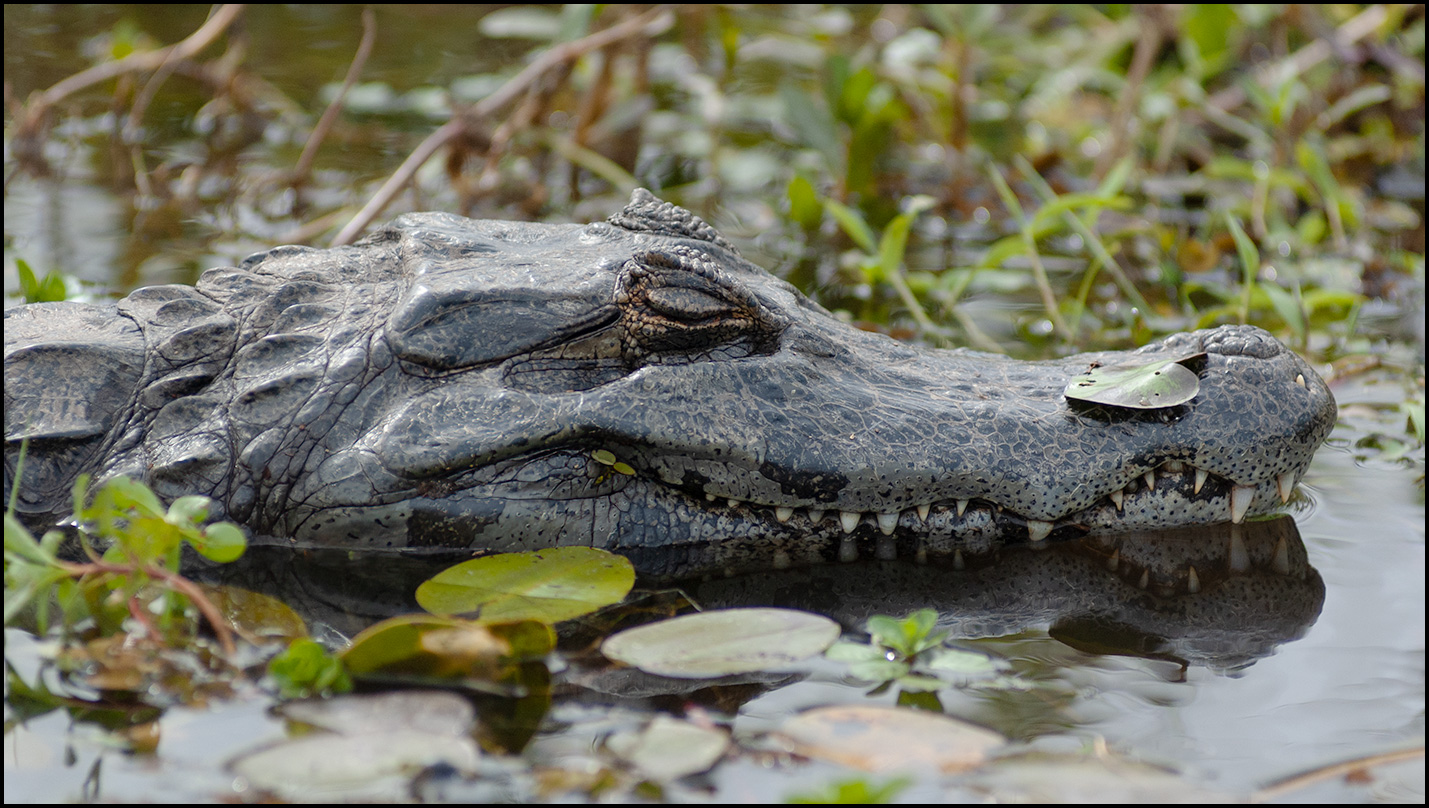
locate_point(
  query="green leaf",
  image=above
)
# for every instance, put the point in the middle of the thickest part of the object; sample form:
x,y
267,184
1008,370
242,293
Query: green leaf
x,y
721,643
1153,385
804,207
189,510
426,646
306,669
223,542
852,223
545,585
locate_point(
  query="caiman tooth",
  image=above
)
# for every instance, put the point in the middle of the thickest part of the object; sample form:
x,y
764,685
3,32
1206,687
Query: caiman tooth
x,y
848,549
1038,530
1239,557
1113,561
732,502
1193,581
849,520
1285,485
783,514
1280,563
886,549
887,522
958,562
1144,580
1300,379
962,506
1116,498
1150,478
1241,497
923,511
1201,475
710,497
816,515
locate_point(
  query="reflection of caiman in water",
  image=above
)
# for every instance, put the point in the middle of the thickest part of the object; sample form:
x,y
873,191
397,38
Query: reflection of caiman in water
x,y
1221,596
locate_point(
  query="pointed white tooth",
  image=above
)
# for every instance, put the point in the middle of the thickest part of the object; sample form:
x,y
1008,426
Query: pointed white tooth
x,y
733,503
1201,475
923,511
1145,579
1116,498
1150,478
1113,561
1241,497
1239,560
848,549
1285,485
958,562
1281,562
1173,467
783,514
710,497
1038,530
1193,581
816,515
1300,379
886,549
781,560
887,522
849,520
962,506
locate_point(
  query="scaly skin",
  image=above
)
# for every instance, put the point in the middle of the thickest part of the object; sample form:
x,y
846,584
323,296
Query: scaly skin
x,y
634,385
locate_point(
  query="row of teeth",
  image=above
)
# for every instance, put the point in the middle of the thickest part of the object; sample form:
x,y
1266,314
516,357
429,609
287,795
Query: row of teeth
x,y
1240,500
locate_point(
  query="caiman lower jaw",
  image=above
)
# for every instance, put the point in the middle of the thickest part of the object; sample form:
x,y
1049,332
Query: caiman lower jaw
x,y
1174,495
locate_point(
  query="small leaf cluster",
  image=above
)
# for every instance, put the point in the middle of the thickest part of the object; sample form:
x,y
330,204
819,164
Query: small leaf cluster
x,y
136,575
909,654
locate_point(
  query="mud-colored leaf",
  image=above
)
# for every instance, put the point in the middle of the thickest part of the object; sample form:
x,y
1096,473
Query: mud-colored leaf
x,y
437,712
722,643
1154,385
260,615
882,739
545,585
441,647
669,748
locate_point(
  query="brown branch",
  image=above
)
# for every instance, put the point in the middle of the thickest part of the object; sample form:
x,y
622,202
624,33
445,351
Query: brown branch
x,y
138,62
651,23
325,124
175,581
1285,785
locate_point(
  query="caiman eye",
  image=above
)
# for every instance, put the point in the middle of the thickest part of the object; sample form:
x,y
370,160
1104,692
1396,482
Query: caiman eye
x,y
685,303
678,305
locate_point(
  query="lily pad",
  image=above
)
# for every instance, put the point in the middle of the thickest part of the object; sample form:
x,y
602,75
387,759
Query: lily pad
x,y
883,739
546,585
723,643
442,647
669,748
1149,386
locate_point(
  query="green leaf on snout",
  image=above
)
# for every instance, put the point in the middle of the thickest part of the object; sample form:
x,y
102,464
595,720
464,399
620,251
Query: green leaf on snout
x,y
1149,386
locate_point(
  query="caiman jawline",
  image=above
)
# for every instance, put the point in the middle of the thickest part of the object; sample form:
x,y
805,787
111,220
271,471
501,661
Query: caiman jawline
x,y
1138,494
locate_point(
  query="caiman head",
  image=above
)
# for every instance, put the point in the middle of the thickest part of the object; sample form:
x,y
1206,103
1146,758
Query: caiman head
x,y
638,386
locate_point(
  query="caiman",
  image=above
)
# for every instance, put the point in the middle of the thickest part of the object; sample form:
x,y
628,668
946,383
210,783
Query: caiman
x,y
633,385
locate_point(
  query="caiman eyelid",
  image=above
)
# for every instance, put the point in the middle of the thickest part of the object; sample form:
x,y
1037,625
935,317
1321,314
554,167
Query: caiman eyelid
x,y
686,303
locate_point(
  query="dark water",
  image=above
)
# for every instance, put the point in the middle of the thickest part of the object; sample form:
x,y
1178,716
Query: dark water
x,y
1352,685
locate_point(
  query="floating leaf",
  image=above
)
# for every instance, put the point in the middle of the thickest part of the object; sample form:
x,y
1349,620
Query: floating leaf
x,y
1154,385
545,585
669,748
444,647
881,739
722,643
